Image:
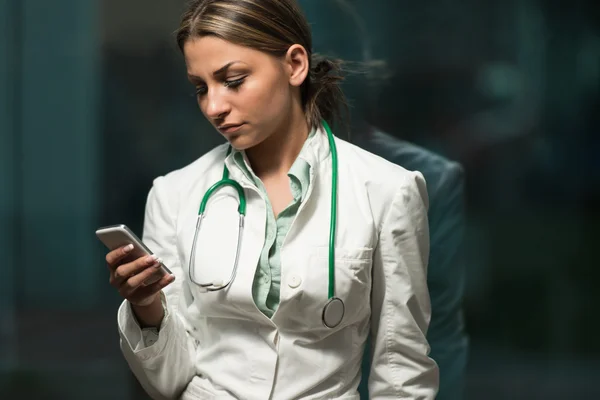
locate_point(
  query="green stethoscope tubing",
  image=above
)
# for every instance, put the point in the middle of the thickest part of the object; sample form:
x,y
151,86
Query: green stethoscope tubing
x,y
333,310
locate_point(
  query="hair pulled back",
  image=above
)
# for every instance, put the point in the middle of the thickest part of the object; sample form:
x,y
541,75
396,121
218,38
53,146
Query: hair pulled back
x,y
271,26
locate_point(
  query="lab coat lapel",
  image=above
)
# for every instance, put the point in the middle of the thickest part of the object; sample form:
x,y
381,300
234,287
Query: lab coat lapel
x,y
252,241
217,244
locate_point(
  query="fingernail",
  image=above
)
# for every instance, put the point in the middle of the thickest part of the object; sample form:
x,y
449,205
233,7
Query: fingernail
x,y
158,262
128,248
151,259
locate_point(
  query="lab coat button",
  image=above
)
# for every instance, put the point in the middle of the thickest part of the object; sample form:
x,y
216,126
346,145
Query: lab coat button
x,y
294,282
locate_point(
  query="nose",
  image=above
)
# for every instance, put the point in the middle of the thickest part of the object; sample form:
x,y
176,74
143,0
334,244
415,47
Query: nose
x,y
217,106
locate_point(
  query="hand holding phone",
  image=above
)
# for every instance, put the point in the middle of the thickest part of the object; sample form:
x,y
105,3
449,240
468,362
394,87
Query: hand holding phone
x,y
135,271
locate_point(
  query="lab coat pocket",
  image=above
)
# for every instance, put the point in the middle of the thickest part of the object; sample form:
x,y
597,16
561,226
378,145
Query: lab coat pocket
x,y
352,285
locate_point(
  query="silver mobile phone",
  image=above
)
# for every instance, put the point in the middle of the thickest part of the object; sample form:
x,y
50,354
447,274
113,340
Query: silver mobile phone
x,y
116,236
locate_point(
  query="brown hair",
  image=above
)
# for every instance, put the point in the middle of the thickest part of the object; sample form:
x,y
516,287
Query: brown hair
x,y
271,26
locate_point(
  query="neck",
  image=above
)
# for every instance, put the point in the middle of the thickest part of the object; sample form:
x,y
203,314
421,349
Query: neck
x,y
276,154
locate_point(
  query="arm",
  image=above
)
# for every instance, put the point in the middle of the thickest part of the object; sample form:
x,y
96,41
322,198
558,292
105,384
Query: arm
x,y
446,279
400,367
165,367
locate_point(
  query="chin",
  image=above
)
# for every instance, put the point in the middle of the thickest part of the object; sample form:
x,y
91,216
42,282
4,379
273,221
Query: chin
x,y
241,142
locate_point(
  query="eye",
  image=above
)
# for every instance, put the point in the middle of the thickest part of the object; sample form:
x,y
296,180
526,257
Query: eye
x,y
201,90
234,83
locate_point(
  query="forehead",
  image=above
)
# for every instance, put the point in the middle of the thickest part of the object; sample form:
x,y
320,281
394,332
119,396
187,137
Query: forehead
x,y
208,53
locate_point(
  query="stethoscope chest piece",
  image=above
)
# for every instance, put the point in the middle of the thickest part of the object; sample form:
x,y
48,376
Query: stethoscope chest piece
x,y
333,312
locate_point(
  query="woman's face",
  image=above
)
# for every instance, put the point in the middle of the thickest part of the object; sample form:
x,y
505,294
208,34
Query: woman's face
x,y
246,94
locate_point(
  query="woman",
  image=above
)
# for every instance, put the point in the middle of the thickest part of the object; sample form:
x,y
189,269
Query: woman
x,y
277,322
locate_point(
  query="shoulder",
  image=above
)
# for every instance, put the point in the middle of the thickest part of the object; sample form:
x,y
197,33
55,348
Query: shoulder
x,y
386,183
441,174
372,166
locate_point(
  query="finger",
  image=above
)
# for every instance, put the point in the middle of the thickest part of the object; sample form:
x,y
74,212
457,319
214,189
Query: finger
x,y
126,271
143,292
158,286
138,279
113,257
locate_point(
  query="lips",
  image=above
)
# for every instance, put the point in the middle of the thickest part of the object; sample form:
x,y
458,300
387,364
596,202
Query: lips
x,y
229,128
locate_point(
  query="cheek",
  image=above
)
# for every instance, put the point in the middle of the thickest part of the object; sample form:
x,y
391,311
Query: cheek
x,y
267,98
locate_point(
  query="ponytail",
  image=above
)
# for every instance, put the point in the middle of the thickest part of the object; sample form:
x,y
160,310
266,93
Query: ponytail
x,y
322,94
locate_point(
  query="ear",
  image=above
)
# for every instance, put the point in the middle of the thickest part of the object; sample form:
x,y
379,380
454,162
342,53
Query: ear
x,y
297,65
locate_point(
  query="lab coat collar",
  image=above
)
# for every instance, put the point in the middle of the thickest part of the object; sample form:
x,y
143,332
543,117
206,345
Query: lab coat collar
x,y
316,150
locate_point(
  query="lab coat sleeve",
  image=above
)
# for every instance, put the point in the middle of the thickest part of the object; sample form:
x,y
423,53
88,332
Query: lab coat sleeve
x,y
165,367
401,310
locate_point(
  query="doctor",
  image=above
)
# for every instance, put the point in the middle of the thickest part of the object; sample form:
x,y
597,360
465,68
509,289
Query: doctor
x,y
288,246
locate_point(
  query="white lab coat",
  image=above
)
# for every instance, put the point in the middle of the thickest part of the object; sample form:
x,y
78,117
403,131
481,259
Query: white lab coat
x,y
219,345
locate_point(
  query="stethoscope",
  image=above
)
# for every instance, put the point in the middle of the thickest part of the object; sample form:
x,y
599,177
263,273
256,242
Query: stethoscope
x,y
333,310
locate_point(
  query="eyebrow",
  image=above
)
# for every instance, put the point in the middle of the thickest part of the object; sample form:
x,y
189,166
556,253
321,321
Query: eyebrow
x,y
221,70
225,67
